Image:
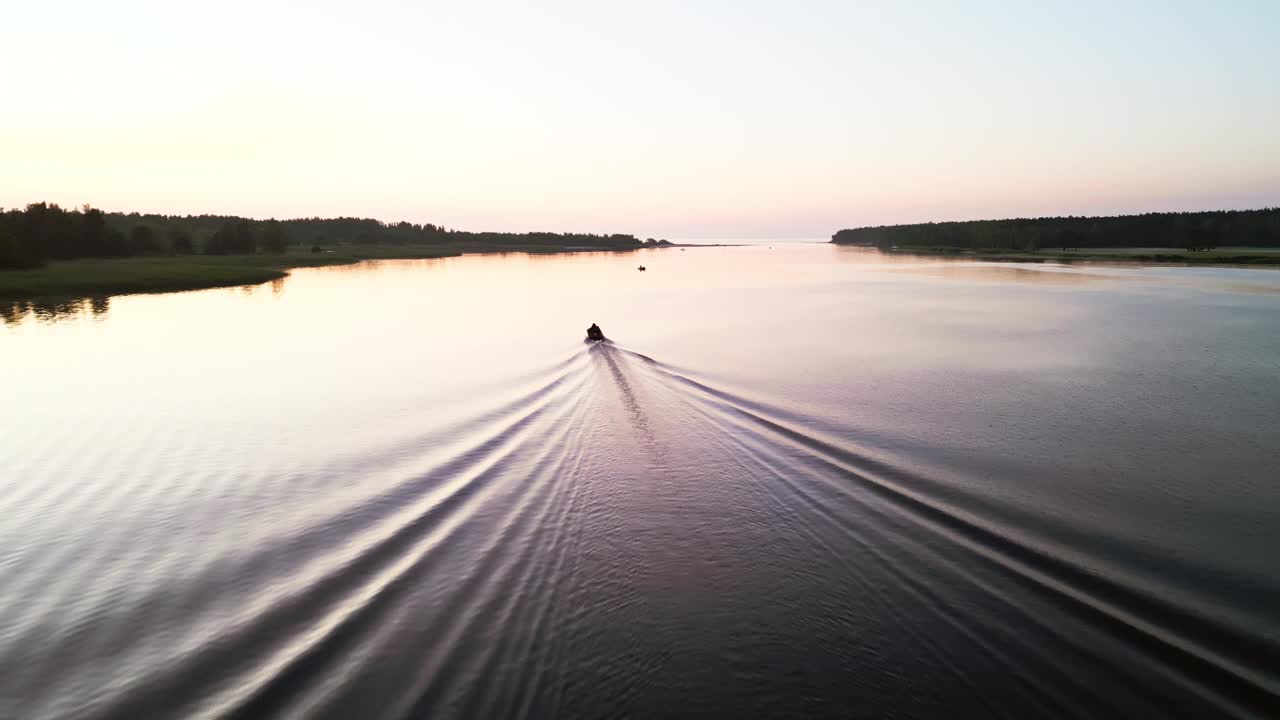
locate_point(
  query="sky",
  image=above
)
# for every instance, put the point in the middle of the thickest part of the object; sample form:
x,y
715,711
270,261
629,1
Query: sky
x,y
693,119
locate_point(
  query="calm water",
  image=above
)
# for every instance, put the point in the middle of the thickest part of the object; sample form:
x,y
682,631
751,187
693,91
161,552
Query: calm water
x,y
804,480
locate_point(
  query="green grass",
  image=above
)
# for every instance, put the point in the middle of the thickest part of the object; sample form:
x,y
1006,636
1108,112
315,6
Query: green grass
x,y
121,276
1230,251
92,277
124,276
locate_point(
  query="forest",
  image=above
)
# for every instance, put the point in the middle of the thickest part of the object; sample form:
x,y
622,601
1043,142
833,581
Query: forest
x,y
1186,230
41,232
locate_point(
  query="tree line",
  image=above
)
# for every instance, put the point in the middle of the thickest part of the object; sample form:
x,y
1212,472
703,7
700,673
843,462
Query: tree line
x,y
1189,230
32,236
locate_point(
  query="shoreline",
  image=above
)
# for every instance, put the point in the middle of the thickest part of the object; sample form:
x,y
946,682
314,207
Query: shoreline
x,y
65,280
1132,256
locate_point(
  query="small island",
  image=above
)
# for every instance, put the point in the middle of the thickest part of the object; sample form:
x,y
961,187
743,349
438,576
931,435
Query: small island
x,y
1212,237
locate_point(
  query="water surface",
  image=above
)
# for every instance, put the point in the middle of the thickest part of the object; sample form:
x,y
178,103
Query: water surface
x,y
803,480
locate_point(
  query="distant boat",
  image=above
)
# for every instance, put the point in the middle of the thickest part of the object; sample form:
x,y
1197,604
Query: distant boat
x,y
641,268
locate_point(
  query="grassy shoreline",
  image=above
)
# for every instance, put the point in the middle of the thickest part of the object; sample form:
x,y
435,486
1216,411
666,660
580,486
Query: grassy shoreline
x,y
69,279
1221,256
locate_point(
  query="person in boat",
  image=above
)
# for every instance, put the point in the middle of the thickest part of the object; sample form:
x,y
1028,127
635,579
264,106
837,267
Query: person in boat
x,y
594,333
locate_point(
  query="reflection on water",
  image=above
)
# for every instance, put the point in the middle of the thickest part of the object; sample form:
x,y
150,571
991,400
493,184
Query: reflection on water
x,y
15,311
1002,273
801,481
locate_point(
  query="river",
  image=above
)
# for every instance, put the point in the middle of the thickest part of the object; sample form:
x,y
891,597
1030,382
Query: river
x,y
801,480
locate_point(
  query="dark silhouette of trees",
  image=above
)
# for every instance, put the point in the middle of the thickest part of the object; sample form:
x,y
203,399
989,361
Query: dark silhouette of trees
x,y
221,241
117,245
142,241
1193,231
94,234
180,242
234,237
275,239
44,231
14,254
245,242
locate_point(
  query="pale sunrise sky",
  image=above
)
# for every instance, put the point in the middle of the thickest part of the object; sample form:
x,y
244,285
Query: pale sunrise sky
x,y
668,119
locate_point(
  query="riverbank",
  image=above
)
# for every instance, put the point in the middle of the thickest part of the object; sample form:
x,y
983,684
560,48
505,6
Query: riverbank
x,y
98,277
1220,256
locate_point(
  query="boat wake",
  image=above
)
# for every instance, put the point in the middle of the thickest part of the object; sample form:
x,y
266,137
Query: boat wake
x,y
615,535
